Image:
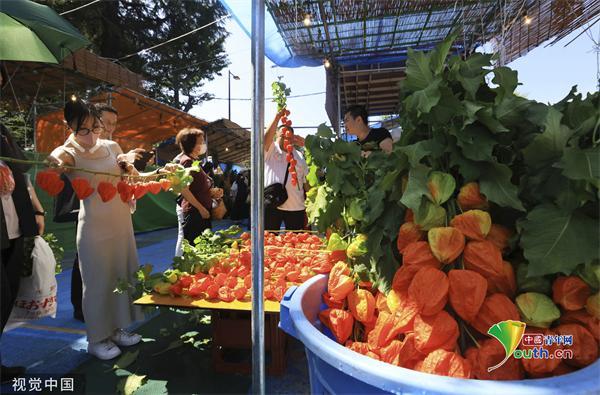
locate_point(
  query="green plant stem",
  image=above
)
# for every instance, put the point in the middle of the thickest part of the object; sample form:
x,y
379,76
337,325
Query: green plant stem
x,y
464,328
46,164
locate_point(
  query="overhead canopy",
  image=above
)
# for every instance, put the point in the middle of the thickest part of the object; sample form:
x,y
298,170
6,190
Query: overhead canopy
x,y
367,41
79,72
369,77
228,141
142,122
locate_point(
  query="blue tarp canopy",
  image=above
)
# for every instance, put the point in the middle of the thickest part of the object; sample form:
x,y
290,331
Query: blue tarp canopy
x,y
367,41
276,49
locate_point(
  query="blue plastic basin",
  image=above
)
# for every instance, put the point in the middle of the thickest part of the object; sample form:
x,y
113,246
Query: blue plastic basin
x,y
336,369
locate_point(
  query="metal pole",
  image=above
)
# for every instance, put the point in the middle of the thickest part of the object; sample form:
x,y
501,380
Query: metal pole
x,y
257,169
229,94
339,106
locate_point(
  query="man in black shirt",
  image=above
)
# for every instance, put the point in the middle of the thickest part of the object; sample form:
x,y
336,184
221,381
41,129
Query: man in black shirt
x,y
356,123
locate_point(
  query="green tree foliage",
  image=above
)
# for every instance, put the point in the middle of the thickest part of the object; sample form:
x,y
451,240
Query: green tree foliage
x,y
175,72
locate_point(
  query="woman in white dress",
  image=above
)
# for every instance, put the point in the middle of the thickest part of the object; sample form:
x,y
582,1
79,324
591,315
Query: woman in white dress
x,y
105,239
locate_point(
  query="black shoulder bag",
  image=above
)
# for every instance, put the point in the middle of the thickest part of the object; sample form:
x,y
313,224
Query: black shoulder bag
x,y
276,194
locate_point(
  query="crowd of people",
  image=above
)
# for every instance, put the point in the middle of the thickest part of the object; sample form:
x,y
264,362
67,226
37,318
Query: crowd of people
x,y
106,246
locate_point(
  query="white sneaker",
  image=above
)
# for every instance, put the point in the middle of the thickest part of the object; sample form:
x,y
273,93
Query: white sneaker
x,y
104,350
124,338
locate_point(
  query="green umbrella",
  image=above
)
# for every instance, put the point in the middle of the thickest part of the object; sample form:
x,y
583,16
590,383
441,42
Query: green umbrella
x,y
32,32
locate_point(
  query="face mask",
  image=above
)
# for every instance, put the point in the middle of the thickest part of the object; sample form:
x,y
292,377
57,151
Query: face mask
x,y
203,149
91,150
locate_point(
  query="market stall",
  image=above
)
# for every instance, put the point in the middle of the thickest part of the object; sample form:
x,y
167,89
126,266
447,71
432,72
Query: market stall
x,y
215,274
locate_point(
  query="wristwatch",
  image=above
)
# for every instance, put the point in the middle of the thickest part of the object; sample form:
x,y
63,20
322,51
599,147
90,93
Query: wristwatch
x,y
40,213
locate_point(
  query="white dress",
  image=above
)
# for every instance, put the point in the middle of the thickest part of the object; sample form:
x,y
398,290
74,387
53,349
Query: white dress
x,y
106,247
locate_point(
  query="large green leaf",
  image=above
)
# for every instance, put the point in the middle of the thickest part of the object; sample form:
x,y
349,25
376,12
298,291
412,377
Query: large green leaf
x,y
549,145
335,178
417,151
476,143
316,202
356,209
471,109
470,84
375,205
423,100
509,110
537,113
470,73
575,194
312,176
556,241
325,131
469,169
350,149
389,180
418,70
581,114
447,108
495,183
438,56
578,164
319,149
486,117
507,81
416,187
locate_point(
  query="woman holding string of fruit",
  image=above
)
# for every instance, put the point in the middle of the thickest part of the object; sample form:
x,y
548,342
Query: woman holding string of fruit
x,y
105,239
280,158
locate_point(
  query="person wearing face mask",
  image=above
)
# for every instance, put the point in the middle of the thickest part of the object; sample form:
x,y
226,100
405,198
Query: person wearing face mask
x,y
105,240
293,210
195,202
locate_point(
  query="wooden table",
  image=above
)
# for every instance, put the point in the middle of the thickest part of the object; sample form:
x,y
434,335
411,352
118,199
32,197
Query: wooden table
x,y
231,325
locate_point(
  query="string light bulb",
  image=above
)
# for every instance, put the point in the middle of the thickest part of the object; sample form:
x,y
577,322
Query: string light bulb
x,y
73,98
527,20
226,149
307,20
327,63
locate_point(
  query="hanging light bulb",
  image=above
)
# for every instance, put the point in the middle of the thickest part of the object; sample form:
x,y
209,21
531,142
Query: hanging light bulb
x,y
307,20
226,149
73,98
527,20
327,63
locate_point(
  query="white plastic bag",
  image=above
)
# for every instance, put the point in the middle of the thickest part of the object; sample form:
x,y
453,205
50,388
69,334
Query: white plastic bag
x,y
37,293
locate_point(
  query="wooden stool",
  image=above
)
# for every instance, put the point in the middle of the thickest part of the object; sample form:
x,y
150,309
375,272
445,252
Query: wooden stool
x,y
232,330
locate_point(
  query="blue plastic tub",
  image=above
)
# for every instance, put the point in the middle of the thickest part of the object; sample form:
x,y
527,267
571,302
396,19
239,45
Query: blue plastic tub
x,y
335,369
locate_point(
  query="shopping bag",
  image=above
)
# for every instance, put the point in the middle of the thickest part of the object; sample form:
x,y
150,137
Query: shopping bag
x,y
37,293
218,210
